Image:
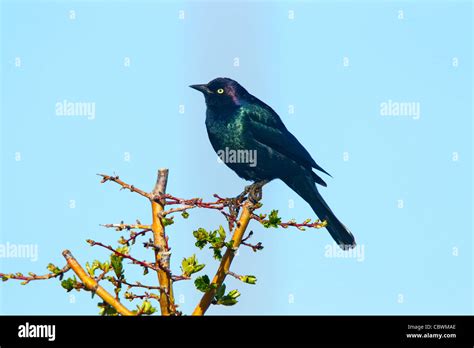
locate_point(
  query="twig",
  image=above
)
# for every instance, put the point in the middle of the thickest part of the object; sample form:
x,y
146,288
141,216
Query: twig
x,y
140,285
180,277
122,226
124,185
192,203
125,256
291,223
92,285
236,276
32,276
131,296
134,235
255,247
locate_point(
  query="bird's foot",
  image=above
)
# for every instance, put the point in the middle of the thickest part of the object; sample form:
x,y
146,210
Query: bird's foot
x,y
254,191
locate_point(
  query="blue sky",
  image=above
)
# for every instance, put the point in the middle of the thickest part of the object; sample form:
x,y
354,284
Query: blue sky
x,y
401,183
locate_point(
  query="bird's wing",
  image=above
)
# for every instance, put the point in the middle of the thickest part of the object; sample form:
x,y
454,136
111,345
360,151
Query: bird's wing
x,y
267,128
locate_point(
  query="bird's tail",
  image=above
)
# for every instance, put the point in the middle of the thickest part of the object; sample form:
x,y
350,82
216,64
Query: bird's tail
x,y
304,186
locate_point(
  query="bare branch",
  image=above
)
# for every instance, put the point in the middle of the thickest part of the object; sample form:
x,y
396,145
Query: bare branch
x,y
124,185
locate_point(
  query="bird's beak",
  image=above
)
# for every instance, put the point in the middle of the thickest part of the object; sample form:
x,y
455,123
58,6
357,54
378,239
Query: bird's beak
x,y
201,88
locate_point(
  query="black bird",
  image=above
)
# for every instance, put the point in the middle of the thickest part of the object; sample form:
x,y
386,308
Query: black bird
x,y
238,121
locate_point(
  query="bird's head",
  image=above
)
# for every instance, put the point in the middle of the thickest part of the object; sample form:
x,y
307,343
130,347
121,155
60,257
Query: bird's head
x,y
222,92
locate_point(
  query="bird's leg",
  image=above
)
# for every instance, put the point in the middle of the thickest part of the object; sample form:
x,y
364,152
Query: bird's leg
x,y
240,198
255,190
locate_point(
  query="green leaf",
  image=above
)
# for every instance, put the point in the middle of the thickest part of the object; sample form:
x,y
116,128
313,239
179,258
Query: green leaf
x,y
69,283
234,293
92,268
190,265
185,214
106,309
201,243
53,269
230,299
202,283
201,236
167,221
220,292
146,308
227,301
105,266
222,233
217,254
249,279
197,268
273,220
88,269
116,262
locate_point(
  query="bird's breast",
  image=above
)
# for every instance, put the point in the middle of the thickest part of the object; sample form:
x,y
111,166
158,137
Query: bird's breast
x,y
226,131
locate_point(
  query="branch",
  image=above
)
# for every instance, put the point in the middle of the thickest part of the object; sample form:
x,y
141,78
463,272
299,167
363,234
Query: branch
x,y
162,251
255,247
140,285
121,226
191,203
226,261
125,256
124,185
92,285
32,276
134,235
301,226
131,296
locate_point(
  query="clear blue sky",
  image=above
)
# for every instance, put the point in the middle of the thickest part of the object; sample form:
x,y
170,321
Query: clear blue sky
x,y
402,184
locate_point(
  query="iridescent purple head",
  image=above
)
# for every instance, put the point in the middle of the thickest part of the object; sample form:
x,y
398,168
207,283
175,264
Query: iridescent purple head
x,y
223,92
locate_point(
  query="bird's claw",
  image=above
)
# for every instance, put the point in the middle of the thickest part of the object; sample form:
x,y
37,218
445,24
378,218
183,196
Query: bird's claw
x,y
254,191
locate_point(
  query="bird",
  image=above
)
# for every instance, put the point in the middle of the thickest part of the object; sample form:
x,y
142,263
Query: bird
x,y
240,122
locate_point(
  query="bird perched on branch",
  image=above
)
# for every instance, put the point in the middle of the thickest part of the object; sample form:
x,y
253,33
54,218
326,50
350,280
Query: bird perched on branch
x,y
242,127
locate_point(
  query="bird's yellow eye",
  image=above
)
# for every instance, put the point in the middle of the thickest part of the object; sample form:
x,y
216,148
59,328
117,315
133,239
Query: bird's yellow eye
x,y
220,91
